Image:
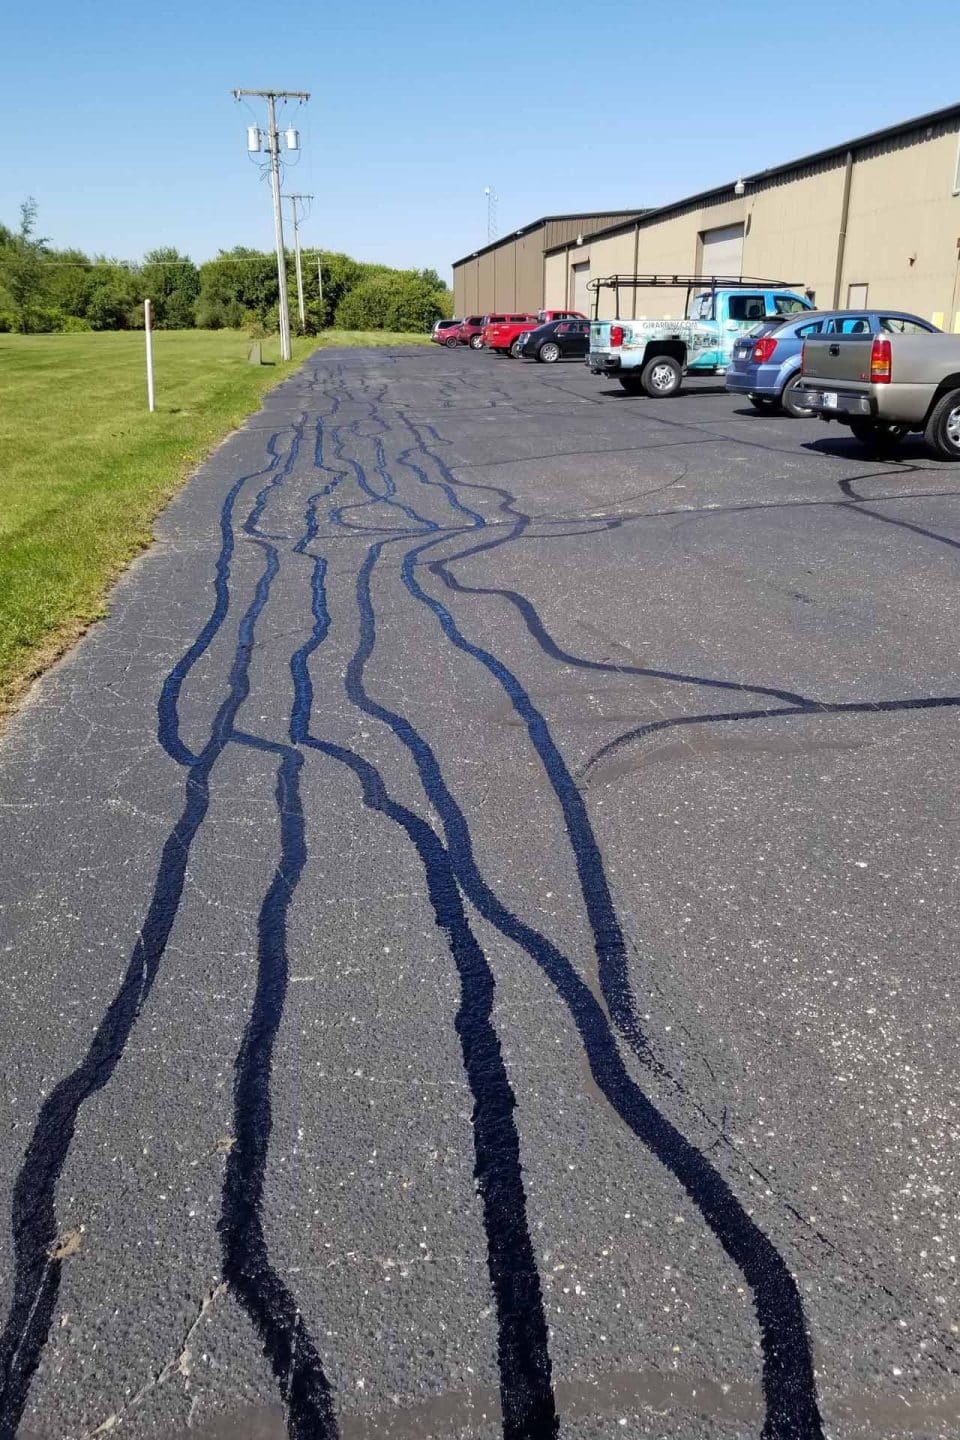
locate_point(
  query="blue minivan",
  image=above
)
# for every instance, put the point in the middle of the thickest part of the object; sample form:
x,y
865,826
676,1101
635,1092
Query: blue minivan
x,y
765,365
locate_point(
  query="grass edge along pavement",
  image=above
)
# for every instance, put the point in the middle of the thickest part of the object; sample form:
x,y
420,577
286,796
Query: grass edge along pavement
x,y
85,469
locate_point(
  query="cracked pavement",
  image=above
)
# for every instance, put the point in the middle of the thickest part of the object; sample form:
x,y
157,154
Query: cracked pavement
x,y
478,933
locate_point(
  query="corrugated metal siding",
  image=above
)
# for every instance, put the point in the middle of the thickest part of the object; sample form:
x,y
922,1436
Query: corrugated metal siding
x,y
557,232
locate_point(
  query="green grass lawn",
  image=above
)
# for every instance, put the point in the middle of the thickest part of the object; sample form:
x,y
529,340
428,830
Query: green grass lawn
x,y
84,468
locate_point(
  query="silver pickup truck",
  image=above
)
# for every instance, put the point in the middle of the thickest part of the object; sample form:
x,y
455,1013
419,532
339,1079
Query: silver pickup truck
x,y
886,385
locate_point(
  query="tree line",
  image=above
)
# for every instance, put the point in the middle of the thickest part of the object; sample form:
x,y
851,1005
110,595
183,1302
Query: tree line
x,y
44,289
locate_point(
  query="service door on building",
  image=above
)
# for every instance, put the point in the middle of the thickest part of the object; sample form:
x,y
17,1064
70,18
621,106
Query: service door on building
x,y
722,251
581,295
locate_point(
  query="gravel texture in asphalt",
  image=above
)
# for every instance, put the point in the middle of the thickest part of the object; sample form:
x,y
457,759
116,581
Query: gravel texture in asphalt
x,y
478,926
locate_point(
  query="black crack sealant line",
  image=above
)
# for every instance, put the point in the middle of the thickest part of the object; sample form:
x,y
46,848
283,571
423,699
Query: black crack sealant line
x,y
33,1218
304,1387
790,1392
526,1393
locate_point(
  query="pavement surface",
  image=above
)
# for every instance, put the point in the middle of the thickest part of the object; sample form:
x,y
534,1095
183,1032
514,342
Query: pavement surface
x,y
479,933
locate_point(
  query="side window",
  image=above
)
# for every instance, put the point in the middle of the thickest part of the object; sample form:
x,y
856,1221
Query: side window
x,y
787,305
746,307
850,325
899,325
702,308
813,328
564,329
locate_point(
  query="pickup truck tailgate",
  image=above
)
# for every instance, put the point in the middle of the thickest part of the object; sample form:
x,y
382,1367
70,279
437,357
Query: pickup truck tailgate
x,y
840,357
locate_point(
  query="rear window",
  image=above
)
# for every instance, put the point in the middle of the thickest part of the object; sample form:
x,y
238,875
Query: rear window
x,y
522,318
900,325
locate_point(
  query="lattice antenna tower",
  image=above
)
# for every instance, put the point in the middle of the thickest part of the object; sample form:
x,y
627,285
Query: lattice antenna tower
x,y
492,197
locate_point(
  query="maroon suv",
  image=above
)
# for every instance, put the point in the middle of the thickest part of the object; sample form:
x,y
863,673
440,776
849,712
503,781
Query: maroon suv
x,y
471,331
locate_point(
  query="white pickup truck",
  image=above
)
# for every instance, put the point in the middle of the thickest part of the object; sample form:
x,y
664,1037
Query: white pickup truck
x,y
885,386
650,357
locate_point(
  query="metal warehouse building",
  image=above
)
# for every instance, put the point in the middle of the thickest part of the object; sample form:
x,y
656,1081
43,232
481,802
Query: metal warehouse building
x,y
508,274
875,220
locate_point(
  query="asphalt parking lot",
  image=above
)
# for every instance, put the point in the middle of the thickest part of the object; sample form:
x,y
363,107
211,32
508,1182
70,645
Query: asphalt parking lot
x,y
479,933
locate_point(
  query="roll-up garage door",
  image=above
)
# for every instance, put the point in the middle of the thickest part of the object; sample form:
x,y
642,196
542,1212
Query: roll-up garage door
x,y
581,295
723,251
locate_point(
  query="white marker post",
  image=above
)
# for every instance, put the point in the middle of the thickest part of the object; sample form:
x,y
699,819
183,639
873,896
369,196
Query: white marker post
x,y
148,326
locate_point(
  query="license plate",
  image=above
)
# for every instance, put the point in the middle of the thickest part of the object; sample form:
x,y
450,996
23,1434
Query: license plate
x,y
829,399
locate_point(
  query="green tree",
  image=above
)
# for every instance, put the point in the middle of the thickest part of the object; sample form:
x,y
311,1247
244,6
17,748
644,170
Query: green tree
x,y
21,267
172,282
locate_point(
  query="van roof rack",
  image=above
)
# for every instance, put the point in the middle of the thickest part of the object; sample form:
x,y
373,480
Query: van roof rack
x,y
689,282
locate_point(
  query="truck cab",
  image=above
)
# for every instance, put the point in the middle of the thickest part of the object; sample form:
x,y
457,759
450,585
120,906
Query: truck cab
x,y
651,356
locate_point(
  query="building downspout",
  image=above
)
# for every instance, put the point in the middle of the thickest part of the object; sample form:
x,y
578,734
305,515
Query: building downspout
x,y
636,264
842,236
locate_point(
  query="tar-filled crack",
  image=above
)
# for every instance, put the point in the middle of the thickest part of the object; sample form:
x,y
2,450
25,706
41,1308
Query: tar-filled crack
x,y
362,459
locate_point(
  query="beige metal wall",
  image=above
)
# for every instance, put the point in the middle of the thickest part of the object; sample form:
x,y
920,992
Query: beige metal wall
x,y
904,227
511,276
903,231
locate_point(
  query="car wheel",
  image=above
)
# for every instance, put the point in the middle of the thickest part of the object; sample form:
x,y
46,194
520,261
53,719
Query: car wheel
x,y
879,436
451,344
515,350
942,432
549,352
476,342
631,382
761,403
661,377
788,400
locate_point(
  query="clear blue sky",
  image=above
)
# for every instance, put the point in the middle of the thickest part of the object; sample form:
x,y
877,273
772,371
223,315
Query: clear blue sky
x,y
118,117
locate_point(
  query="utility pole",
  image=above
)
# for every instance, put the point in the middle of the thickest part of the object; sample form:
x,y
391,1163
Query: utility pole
x,y
254,143
492,198
296,250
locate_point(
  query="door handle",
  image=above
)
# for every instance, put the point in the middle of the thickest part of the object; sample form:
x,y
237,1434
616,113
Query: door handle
x,y
834,349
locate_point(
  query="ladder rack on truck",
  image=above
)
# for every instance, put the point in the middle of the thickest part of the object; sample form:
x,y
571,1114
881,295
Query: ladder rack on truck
x,y
688,282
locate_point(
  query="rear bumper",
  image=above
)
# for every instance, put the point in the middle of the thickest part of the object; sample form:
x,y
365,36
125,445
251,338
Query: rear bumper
x,y
766,380
897,403
601,364
836,404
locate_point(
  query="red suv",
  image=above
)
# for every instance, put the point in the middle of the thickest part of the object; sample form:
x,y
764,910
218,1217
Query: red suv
x,y
471,331
505,337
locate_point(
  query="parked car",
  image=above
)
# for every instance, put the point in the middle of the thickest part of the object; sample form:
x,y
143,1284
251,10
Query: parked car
x,y
557,340
906,377
765,365
506,337
503,330
471,331
445,332
650,357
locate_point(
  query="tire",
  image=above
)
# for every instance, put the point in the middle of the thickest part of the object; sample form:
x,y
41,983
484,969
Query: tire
x,y
790,406
631,382
942,431
476,342
879,436
661,377
549,352
515,350
761,403
452,343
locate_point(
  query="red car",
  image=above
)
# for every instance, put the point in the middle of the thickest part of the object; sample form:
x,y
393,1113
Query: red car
x,y
445,332
505,336
471,331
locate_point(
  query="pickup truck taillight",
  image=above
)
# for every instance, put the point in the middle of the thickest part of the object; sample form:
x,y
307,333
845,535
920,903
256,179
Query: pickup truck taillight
x,y
763,350
616,334
880,362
